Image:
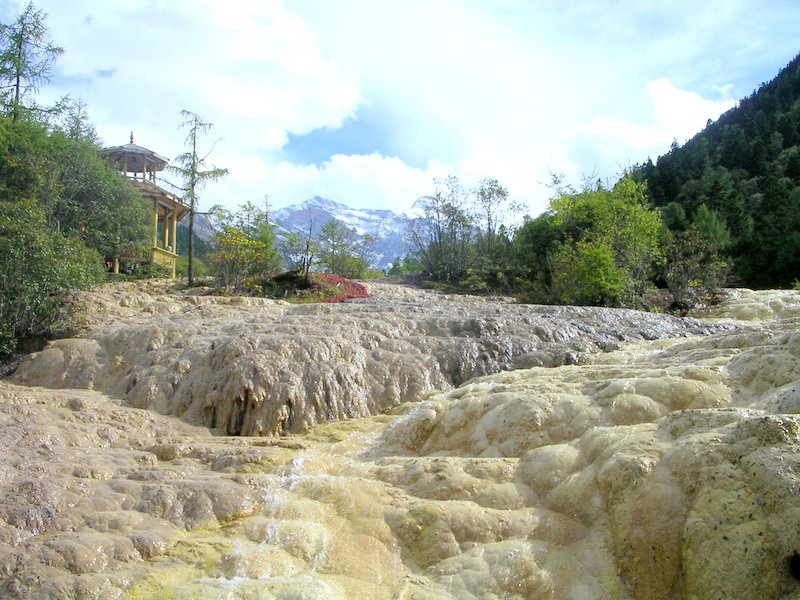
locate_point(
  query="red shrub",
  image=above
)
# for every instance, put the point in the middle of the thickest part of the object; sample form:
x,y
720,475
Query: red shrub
x,y
335,288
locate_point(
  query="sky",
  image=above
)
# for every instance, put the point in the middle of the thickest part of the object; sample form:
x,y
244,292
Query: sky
x,y
367,102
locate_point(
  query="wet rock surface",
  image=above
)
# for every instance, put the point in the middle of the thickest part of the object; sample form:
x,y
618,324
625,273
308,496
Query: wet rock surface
x,y
664,469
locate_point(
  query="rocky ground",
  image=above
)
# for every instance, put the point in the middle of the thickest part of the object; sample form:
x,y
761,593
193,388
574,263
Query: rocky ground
x,y
250,366
435,447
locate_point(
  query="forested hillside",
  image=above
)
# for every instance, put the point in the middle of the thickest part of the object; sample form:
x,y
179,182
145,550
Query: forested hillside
x,y
63,211
746,168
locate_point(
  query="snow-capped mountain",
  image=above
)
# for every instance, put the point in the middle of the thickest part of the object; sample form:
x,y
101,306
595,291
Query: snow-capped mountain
x,y
388,227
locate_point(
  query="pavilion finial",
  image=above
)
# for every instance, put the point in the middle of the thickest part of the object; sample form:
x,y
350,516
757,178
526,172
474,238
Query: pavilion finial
x,y
131,137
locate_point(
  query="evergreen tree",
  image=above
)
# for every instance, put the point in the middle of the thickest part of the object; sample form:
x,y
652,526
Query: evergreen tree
x,y
742,169
190,167
26,58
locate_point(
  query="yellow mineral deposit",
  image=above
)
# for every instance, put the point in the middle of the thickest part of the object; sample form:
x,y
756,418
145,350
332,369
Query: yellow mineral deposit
x,y
189,447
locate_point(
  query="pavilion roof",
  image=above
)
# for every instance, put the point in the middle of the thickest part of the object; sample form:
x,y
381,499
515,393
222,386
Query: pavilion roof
x,y
132,158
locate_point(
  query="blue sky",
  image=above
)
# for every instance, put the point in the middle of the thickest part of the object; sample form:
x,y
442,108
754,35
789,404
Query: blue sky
x,y
367,101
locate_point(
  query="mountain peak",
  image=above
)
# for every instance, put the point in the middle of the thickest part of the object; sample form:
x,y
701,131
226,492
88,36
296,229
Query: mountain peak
x,y
323,203
386,226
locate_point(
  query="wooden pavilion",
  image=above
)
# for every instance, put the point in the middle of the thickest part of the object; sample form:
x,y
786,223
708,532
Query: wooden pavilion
x,y
140,166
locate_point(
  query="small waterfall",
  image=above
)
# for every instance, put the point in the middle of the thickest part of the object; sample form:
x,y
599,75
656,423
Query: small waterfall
x,y
311,507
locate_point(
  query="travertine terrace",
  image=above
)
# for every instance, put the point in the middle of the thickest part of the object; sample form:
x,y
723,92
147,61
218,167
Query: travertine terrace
x,y
248,366
413,445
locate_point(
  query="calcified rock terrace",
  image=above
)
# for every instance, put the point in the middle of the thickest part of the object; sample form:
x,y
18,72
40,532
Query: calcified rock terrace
x,y
438,448
249,366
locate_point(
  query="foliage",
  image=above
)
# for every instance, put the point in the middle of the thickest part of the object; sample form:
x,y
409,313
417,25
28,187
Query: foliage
x,y
373,273
492,257
62,209
85,197
694,268
397,267
8,342
492,268
463,239
71,117
201,269
598,225
26,58
23,151
137,270
81,195
442,237
673,216
39,270
745,169
243,247
588,273
192,169
711,228
201,246
293,286
330,288
406,265
491,210
300,250
534,243
341,252
235,257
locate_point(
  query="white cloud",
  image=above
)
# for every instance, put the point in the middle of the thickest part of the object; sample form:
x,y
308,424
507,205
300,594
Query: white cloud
x,y
361,181
680,113
252,69
670,114
508,90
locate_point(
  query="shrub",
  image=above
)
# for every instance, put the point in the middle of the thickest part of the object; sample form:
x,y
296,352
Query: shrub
x,y
587,274
39,270
323,287
335,288
694,269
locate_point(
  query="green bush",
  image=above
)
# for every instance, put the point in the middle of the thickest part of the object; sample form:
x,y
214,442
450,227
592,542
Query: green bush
x,y
587,274
7,341
39,271
695,269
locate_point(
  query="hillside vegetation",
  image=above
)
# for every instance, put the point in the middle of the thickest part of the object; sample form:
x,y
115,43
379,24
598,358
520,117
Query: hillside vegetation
x,y
746,168
724,209
63,211
63,214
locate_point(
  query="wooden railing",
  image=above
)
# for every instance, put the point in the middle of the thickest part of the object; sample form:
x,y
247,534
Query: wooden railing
x,y
165,258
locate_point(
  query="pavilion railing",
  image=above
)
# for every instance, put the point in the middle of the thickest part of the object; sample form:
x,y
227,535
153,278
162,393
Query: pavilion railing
x,y
166,258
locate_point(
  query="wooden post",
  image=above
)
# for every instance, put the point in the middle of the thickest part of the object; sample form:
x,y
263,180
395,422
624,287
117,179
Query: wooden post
x,y
175,230
155,223
165,233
